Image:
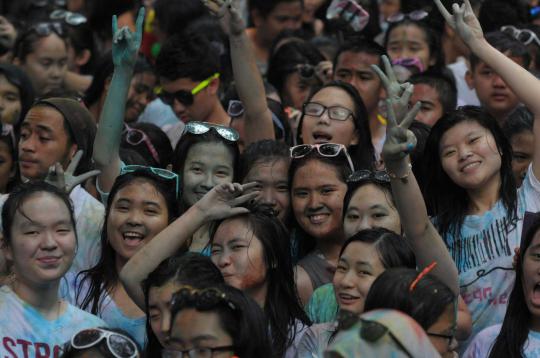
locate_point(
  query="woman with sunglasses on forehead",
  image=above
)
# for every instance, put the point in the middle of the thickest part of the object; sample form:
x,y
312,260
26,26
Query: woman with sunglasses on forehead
x,y
317,179
41,52
40,242
336,114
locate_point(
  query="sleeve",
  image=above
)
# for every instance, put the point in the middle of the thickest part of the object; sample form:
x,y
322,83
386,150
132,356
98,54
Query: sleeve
x,y
482,343
529,193
103,195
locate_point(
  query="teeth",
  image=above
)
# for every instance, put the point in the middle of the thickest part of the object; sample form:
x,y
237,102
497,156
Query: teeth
x,y
132,236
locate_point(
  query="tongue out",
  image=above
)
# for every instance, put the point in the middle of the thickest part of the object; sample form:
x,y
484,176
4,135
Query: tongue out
x,y
132,239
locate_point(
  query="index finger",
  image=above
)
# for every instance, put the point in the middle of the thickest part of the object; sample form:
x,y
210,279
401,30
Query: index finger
x,y
411,115
139,24
447,16
391,114
83,177
248,186
74,162
381,75
389,70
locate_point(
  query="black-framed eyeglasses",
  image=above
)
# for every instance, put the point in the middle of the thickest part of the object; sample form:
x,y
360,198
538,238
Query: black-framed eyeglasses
x,y
185,97
197,128
328,150
336,113
449,337
71,18
364,174
525,36
202,352
415,15
118,344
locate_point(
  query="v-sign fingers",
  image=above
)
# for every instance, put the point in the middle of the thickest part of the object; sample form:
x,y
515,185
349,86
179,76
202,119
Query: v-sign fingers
x,y
389,70
74,162
391,121
447,16
411,115
381,75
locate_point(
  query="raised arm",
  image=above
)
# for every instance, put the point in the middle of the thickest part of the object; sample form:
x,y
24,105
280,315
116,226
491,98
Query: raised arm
x,y
222,201
249,82
525,85
426,242
107,143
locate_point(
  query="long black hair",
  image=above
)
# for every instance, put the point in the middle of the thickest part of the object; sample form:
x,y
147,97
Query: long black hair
x,y
188,268
282,304
451,204
515,327
103,276
363,153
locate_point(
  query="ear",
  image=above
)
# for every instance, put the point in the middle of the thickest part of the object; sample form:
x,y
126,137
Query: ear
x,y
72,150
213,87
83,58
469,78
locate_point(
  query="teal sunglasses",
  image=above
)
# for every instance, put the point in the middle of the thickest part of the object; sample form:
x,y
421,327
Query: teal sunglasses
x,y
162,173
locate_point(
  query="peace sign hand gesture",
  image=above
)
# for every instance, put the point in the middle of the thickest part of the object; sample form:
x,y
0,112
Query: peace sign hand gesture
x,y
399,93
463,20
226,200
65,180
126,44
227,13
400,141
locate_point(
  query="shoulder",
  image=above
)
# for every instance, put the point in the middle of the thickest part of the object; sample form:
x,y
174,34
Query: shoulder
x,y
482,342
79,319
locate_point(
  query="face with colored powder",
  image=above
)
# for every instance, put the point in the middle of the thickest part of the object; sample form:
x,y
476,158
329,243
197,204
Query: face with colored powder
x,y
239,255
409,41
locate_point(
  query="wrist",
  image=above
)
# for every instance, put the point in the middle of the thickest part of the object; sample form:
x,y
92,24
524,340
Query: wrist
x,y
398,167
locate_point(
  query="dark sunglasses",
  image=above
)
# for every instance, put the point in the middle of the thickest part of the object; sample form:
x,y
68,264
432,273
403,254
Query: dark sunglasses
x,y
185,97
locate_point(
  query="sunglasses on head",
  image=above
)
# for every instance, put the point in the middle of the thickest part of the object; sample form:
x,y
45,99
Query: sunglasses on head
x,y
136,136
118,344
361,175
71,18
525,36
162,173
43,29
328,150
416,15
185,97
43,3
198,128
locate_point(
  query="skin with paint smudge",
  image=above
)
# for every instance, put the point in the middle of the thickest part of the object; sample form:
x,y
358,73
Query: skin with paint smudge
x,y
409,41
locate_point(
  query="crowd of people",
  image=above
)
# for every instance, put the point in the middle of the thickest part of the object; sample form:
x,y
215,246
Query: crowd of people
x,y
269,178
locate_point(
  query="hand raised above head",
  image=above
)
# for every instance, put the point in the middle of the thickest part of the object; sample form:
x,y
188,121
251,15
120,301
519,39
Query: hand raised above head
x,y
226,200
462,20
227,13
126,44
400,141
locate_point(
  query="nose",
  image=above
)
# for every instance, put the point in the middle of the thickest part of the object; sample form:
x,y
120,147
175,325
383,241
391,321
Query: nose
x,y
314,202
56,71
347,281
28,144
498,81
324,118
166,323
464,153
223,260
267,197
208,183
364,223
48,241
135,217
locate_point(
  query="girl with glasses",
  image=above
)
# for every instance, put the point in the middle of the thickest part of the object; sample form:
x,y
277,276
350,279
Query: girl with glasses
x,y
40,242
336,114
219,321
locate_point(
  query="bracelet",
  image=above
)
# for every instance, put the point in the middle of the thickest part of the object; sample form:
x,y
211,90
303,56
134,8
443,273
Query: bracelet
x,y
402,177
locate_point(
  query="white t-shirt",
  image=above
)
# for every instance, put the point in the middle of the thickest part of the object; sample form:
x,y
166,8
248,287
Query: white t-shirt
x,y
25,333
481,345
484,253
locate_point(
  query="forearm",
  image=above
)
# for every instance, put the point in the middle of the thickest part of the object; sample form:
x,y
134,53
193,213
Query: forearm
x,y
77,82
250,87
111,123
524,84
424,239
162,246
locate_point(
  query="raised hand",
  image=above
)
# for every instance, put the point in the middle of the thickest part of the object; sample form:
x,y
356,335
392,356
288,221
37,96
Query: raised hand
x,y
126,44
400,141
399,93
65,180
227,13
225,200
463,20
